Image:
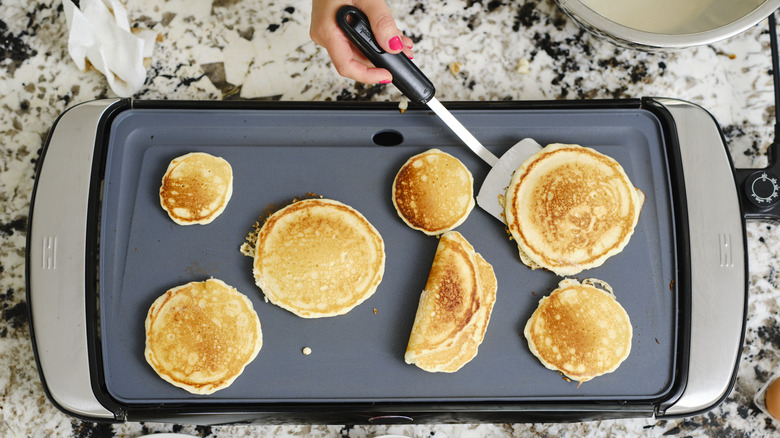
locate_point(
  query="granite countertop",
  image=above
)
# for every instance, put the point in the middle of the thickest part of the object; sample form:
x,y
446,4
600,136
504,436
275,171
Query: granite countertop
x,y
252,49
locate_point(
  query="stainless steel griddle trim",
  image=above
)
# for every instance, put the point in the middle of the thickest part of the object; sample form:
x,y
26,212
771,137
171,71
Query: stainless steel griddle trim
x,y
92,115
718,263
57,258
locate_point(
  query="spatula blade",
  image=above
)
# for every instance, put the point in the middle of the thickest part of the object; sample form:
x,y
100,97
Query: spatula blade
x,y
491,194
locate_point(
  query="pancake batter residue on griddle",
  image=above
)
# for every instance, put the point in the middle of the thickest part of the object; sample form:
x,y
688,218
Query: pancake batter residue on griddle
x,y
248,247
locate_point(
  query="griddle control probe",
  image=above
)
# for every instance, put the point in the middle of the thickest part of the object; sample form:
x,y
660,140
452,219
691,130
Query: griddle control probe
x,y
761,188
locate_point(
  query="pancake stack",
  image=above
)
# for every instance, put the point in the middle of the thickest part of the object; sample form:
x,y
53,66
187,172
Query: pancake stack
x,y
580,330
201,335
433,192
570,208
454,309
318,258
196,188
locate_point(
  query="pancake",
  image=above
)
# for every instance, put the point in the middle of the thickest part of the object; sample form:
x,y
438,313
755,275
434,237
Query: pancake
x,y
580,330
570,208
433,192
201,335
454,309
196,188
318,258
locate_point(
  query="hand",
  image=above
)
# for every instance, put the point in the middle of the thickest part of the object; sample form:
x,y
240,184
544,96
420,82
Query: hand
x,y
347,59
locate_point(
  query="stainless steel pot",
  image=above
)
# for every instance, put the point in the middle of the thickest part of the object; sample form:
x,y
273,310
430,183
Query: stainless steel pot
x,y
667,24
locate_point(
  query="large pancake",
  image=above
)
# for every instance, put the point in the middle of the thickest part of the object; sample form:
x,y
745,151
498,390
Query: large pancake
x,y
196,188
580,330
433,192
201,335
570,208
454,309
318,257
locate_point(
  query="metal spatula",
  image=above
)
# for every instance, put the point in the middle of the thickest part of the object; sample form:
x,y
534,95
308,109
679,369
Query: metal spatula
x,y
419,89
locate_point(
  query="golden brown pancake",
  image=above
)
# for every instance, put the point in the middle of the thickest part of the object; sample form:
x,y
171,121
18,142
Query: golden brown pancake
x,y
196,188
580,330
454,308
433,192
201,335
318,257
570,208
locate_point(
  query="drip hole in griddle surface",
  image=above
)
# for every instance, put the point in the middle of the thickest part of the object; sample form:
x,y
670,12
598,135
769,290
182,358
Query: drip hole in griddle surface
x,y
388,137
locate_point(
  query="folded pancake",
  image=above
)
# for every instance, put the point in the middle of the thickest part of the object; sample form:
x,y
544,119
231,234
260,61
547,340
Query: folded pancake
x,y
454,309
580,330
318,258
201,335
570,208
196,188
433,192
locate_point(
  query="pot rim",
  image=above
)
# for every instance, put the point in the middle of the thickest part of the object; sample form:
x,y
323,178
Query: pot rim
x,y
598,24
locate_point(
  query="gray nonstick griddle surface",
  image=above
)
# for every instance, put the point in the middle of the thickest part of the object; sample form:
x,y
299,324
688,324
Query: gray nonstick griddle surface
x,y
358,357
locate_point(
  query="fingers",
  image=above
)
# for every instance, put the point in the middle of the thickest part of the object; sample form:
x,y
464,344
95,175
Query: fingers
x,y
350,63
408,46
348,60
387,34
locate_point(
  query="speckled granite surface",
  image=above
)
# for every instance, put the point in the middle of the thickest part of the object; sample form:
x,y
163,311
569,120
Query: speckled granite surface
x,y
233,49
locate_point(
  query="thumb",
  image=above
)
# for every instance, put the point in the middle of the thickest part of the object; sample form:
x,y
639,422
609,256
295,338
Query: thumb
x,y
382,24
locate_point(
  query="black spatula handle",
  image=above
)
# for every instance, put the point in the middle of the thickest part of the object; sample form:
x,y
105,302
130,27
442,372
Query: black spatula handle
x,y
406,76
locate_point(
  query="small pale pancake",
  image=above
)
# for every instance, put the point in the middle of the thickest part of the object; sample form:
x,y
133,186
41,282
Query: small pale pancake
x,y
433,192
196,188
454,309
318,257
201,335
580,330
570,208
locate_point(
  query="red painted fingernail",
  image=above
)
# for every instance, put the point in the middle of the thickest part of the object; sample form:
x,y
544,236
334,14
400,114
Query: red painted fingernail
x,y
385,81
395,43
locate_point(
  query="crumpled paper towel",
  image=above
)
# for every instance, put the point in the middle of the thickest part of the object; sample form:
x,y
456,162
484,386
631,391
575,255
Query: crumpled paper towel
x,y
99,34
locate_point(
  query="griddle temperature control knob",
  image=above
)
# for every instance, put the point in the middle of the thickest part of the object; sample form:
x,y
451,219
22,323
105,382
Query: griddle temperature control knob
x,y
762,189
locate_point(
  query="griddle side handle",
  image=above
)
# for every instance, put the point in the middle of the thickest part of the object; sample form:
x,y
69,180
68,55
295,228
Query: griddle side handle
x,y
406,76
56,262
718,269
